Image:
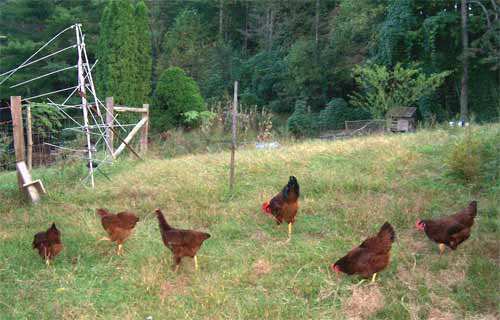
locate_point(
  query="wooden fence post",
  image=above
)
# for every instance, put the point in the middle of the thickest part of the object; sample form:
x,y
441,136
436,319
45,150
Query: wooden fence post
x,y
18,132
144,130
17,127
233,138
109,123
29,136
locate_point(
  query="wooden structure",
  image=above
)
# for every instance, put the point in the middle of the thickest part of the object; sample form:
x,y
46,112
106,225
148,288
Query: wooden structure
x,y
142,125
32,188
402,119
356,128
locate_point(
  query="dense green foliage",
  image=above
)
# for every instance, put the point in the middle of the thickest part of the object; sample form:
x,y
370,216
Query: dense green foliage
x,y
175,94
144,55
385,89
301,123
124,69
337,111
280,51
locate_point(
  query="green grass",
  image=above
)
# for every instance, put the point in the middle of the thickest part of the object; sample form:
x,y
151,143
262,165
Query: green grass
x,y
247,269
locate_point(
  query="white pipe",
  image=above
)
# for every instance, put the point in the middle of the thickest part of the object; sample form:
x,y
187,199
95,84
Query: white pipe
x,y
42,76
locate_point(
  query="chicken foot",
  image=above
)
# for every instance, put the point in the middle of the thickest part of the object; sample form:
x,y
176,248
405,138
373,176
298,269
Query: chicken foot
x,y
120,246
441,248
289,230
374,277
195,263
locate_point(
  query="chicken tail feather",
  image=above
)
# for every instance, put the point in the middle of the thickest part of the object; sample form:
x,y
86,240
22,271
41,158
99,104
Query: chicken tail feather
x,y
102,212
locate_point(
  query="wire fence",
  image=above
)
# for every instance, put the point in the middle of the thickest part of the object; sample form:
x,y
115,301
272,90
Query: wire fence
x,y
53,138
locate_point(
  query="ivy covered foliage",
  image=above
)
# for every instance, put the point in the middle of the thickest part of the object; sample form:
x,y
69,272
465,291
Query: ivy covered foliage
x,y
337,112
384,89
176,94
301,123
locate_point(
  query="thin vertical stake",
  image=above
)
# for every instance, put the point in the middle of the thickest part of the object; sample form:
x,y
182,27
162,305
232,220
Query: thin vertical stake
x,y
233,140
144,130
110,118
29,136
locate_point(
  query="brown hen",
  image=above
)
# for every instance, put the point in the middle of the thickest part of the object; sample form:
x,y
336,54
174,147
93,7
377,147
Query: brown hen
x,y
118,226
48,243
370,257
450,230
182,243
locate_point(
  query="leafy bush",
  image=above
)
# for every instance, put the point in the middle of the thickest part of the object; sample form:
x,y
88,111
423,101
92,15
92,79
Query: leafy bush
x,y
474,157
337,111
301,123
176,93
384,89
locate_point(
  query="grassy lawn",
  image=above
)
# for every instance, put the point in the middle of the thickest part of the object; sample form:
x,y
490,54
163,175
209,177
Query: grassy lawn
x,y
247,269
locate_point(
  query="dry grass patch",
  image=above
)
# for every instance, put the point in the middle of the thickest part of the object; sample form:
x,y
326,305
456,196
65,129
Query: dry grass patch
x,y
261,267
364,301
177,286
436,314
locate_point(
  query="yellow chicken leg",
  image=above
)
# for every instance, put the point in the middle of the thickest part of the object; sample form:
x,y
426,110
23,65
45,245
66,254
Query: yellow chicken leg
x,y
289,230
176,268
374,277
47,262
441,248
120,246
196,263
359,283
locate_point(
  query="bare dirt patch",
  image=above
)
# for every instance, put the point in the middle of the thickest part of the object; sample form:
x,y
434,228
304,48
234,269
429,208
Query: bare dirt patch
x,y
436,314
365,300
174,287
259,235
261,267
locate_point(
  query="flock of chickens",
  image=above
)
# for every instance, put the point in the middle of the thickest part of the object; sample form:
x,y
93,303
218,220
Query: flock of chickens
x,y
366,260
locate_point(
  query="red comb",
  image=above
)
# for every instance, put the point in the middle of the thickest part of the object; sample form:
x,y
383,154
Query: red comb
x,y
265,207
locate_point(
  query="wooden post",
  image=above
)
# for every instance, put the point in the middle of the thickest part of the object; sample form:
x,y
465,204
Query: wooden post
x,y
144,130
233,140
128,138
17,127
18,132
29,136
109,124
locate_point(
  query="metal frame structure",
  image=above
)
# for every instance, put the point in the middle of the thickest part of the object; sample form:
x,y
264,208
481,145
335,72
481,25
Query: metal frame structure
x,y
93,121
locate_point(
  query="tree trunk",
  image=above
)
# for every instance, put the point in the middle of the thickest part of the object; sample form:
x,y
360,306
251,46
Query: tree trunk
x,y
465,75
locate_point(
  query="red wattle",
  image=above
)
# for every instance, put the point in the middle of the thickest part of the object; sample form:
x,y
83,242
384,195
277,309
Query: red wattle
x,y
265,207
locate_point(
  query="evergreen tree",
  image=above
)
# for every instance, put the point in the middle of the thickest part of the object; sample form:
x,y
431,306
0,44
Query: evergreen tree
x,y
144,57
117,70
176,93
183,44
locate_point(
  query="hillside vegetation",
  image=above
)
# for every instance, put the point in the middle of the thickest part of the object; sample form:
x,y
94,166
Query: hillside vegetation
x,y
247,269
